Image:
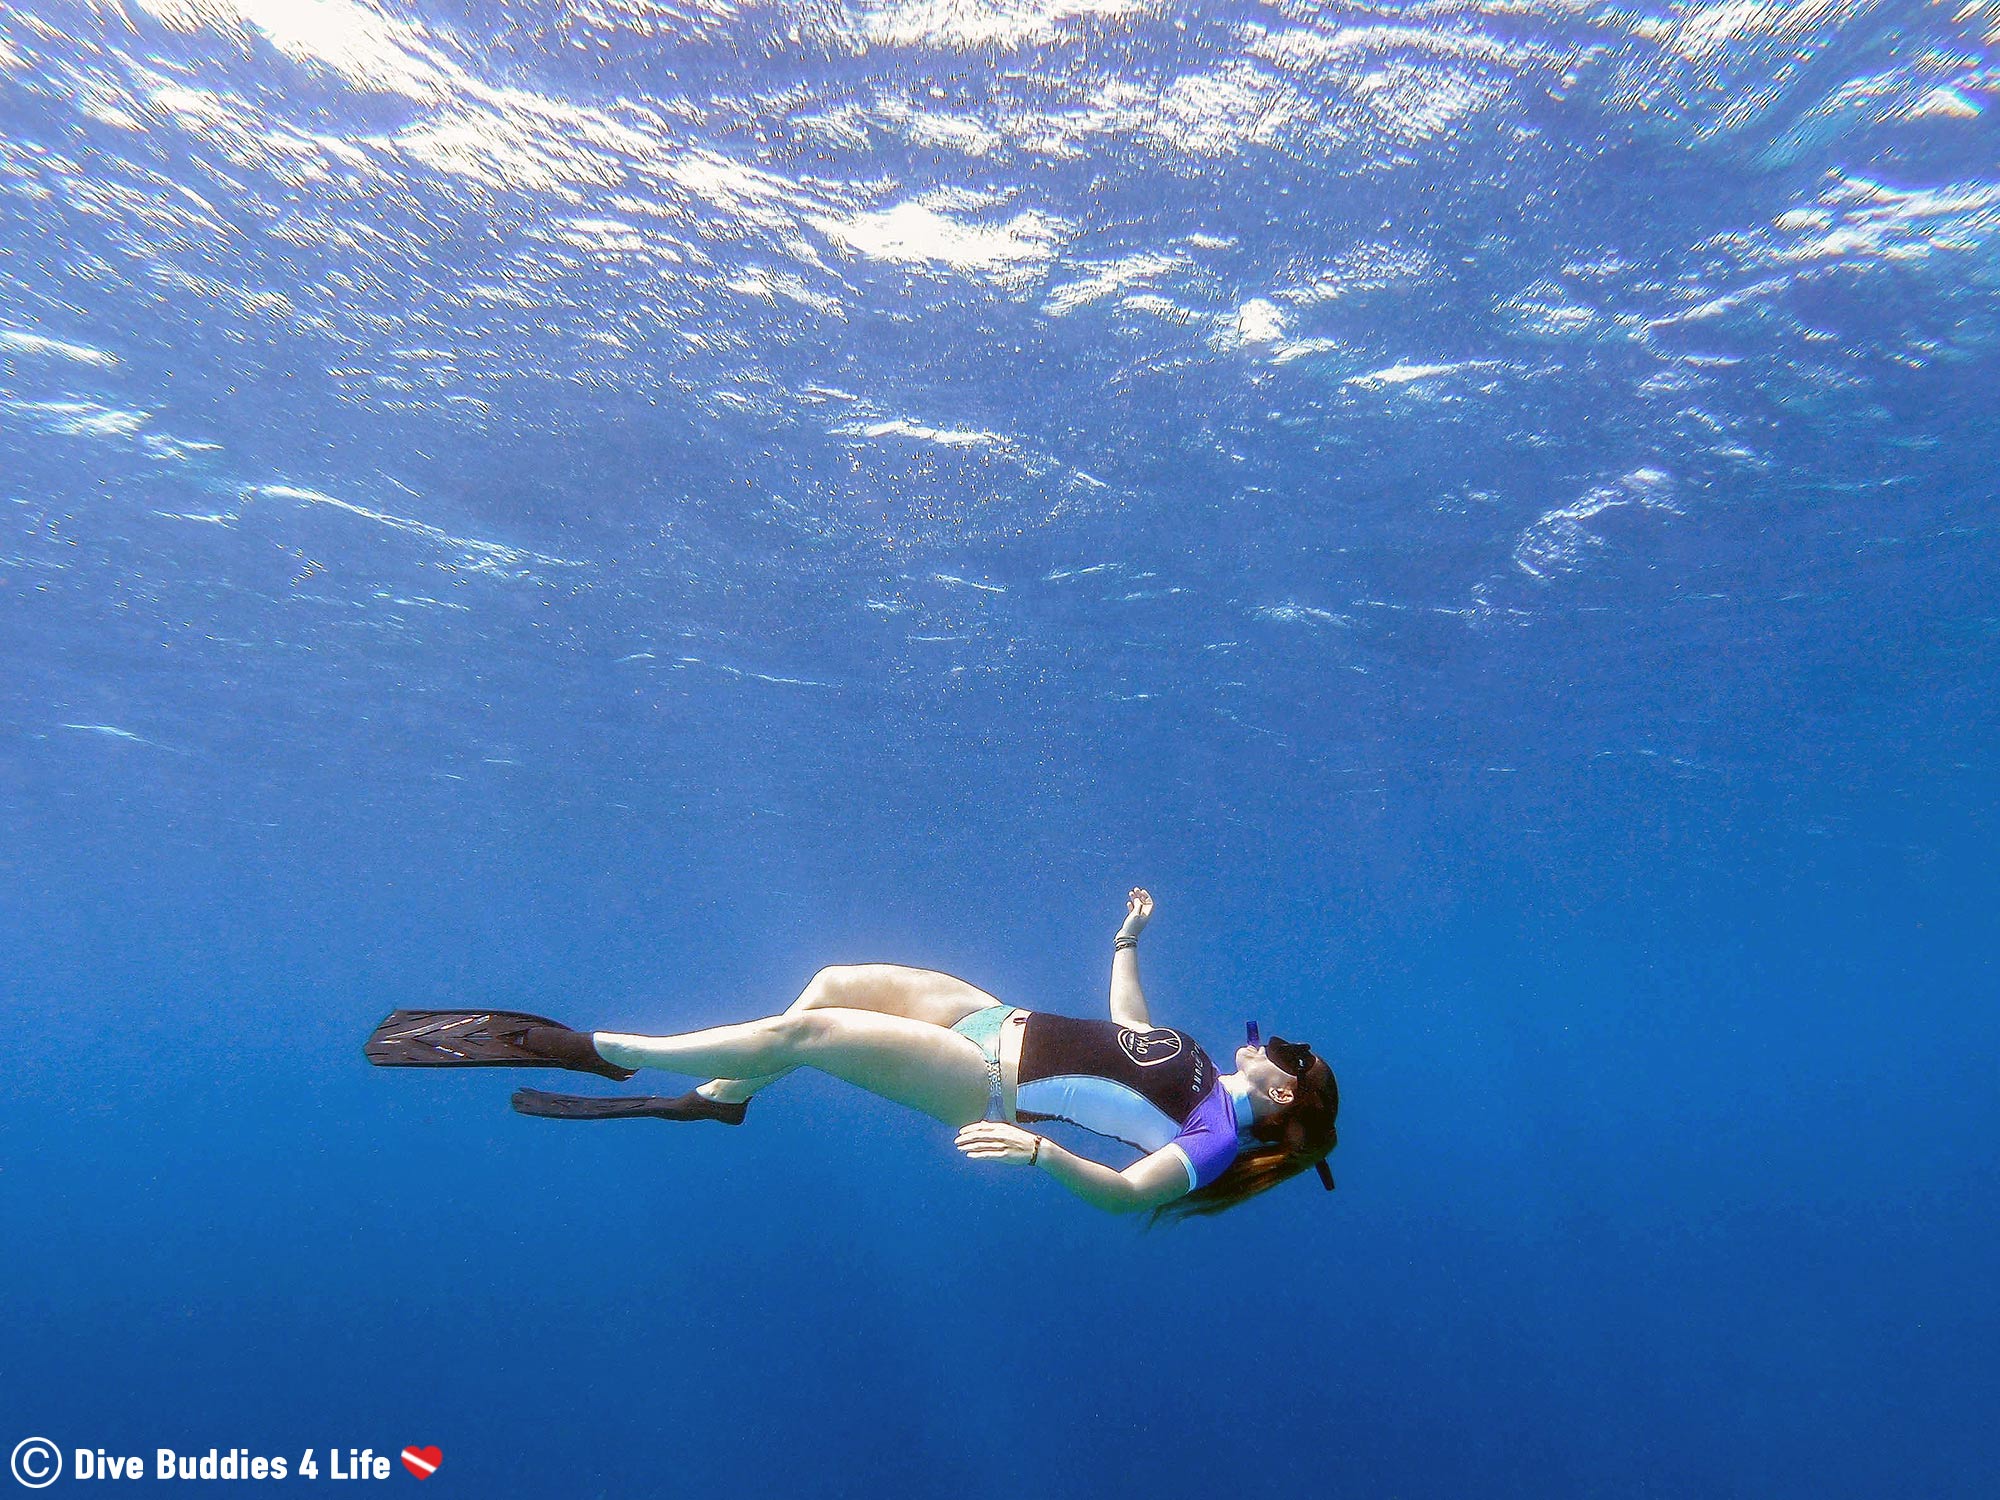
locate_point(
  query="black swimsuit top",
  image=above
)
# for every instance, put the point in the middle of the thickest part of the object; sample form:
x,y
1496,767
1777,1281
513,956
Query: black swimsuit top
x,y
1148,1088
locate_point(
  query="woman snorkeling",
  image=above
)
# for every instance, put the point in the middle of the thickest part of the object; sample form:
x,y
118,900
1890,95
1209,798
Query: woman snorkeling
x,y
938,1044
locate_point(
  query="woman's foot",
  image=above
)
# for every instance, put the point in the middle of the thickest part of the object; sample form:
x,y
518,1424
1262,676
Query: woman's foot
x,y
736,1090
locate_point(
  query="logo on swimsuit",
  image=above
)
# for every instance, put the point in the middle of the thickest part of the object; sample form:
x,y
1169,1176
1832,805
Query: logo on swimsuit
x,y
1150,1048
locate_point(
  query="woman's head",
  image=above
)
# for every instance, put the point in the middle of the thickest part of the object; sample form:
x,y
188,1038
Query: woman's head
x,y
1294,1102
1270,1087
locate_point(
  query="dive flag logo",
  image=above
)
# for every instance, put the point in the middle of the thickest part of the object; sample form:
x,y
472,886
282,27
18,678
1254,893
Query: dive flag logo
x,y
422,1462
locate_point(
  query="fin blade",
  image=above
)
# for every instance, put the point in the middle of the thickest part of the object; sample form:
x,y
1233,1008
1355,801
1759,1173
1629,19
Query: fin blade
x,y
624,1107
455,1039
548,1106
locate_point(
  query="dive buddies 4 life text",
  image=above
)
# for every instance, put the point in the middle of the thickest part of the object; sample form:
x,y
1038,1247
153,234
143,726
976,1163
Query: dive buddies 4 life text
x,y
38,1463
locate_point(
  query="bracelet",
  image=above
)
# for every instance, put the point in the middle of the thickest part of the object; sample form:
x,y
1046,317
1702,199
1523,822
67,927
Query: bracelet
x,y
1122,942
1036,1155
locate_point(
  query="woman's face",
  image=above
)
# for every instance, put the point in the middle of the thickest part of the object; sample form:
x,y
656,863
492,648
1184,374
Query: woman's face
x,y
1271,1087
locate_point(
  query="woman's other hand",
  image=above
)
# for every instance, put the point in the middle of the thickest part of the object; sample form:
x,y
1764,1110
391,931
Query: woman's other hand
x,y
990,1140
1138,912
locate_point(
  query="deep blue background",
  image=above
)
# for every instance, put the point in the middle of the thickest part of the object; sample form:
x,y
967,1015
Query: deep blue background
x,y
1632,862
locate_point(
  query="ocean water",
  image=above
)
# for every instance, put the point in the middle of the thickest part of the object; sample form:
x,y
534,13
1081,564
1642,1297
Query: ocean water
x,y
1486,509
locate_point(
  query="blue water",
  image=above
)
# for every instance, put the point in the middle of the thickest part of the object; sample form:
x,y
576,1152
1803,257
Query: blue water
x,y
1487,511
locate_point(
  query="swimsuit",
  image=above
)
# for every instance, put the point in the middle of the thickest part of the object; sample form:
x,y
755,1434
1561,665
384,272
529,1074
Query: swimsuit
x,y
1150,1089
983,1026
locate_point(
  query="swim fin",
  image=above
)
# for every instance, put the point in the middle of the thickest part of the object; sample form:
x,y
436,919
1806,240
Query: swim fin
x,y
690,1106
484,1039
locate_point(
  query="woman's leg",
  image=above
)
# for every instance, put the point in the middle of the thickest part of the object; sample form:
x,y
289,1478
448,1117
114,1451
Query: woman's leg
x,y
916,1063
887,989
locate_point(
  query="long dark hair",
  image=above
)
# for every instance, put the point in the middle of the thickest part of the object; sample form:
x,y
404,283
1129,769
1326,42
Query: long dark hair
x,y
1293,1140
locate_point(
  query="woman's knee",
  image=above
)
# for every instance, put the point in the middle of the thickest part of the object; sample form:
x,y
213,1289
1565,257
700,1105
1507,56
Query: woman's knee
x,y
836,985
801,1033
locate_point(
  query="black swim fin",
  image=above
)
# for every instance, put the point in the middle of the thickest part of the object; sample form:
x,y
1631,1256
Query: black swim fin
x,y
688,1106
484,1039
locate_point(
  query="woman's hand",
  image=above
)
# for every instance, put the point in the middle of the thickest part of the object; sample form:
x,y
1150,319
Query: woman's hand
x,y
990,1140
1138,912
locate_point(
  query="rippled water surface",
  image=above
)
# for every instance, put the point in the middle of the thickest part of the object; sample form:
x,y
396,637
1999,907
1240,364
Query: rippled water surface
x,y
1488,508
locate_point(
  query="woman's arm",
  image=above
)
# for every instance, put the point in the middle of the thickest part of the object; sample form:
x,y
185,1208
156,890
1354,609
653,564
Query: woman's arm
x,y
1128,1001
1147,1183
